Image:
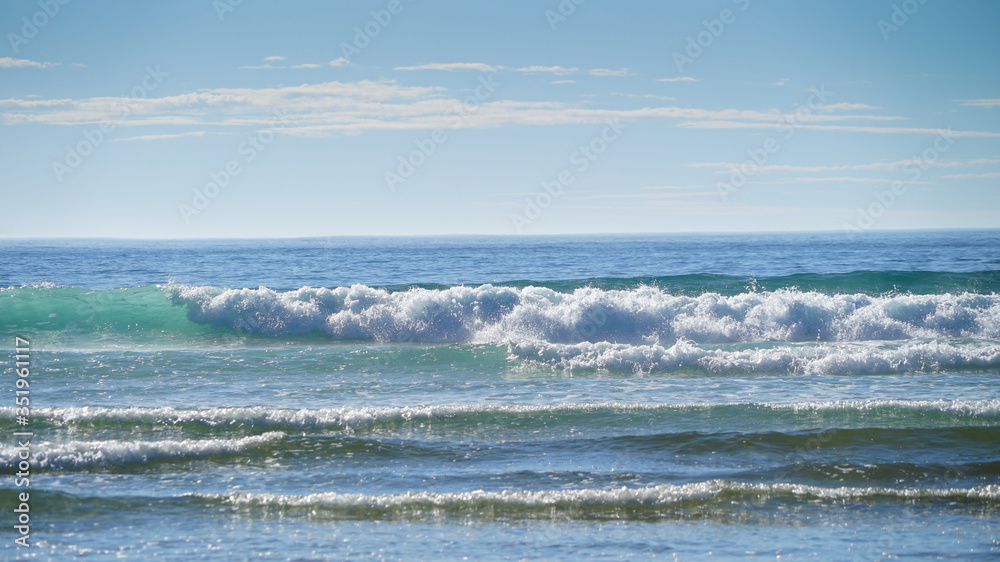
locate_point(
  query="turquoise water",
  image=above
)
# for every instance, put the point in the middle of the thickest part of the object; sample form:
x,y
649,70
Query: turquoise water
x,y
788,395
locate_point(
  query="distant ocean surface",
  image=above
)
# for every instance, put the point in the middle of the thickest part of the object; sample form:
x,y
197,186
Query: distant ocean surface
x,y
789,395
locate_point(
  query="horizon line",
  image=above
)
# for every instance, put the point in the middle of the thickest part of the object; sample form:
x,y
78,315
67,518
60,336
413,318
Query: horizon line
x,y
5,237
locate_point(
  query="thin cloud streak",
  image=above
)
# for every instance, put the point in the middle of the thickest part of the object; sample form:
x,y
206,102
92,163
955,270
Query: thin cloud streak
x,y
327,108
609,72
344,107
663,187
451,67
483,67
987,103
972,176
340,61
649,196
8,62
845,128
847,107
729,167
163,137
840,180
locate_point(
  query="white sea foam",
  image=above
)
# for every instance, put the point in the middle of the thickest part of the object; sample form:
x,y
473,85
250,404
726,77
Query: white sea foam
x,y
653,496
79,454
645,315
798,359
352,417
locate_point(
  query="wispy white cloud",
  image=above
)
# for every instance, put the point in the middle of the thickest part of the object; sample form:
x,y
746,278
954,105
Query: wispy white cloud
x,y
451,66
840,180
780,82
713,208
329,108
329,102
728,167
846,107
669,187
564,81
341,61
988,103
644,96
332,107
7,62
609,72
557,70
678,79
846,128
536,69
650,196
161,137
972,176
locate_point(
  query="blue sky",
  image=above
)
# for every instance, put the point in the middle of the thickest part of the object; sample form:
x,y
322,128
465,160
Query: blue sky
x,y
258,119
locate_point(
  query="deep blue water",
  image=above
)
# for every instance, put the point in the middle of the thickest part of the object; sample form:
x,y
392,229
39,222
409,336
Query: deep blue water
x,y
787,395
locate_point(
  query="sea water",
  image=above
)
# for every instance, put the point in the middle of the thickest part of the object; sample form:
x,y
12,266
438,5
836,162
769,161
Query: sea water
x,y
790,395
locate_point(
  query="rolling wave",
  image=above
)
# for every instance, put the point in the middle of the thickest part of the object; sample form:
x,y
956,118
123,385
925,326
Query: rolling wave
x,y
642,315
919,356
87,454
652,501
714,499
841,414
498,314
877,454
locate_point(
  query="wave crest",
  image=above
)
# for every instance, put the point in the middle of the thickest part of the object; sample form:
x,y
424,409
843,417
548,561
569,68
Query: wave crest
x,y
808,360
85,454
644,315
560,503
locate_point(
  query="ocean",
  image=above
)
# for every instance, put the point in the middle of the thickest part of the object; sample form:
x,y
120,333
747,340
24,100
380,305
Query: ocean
x,y
664,396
